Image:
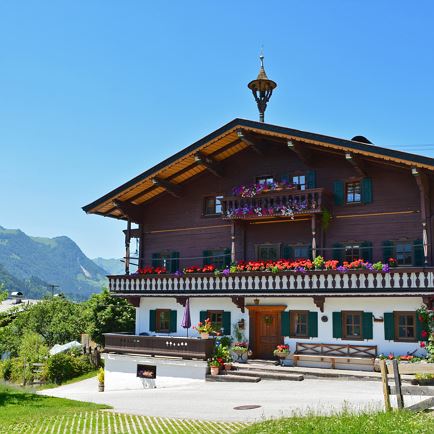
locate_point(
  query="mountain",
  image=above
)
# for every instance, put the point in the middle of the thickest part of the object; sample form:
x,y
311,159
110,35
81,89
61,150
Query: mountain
x,y
110,266
31,263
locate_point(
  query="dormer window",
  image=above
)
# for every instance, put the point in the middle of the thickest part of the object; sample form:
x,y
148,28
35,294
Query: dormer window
x,y
212,205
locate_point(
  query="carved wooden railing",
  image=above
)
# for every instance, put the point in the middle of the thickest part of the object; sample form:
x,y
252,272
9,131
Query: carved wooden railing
x,y
274,204
420,280
187,348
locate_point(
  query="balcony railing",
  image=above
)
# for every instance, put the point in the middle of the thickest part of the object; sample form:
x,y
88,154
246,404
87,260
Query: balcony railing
x,y
404,280
276,203
187,348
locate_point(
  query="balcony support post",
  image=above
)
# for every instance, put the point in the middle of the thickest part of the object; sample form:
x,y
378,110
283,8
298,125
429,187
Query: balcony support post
x,y
313,236
425,211
233,241
127,247
141,261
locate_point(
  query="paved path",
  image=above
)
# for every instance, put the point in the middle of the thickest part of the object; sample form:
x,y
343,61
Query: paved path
x,y
216,401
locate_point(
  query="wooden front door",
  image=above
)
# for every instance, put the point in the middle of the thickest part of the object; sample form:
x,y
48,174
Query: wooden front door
x,y
265,330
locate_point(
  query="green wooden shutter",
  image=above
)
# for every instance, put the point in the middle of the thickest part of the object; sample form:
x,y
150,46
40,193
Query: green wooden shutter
x,y
152,320
338,251
288,252
367,325
366,251
174,262
207,257
366,190
339,192
311,179
337,325
313,324
389,326
419,329
387,250
284,323
203,315
419,257
227,258
156,259
173,321
226,323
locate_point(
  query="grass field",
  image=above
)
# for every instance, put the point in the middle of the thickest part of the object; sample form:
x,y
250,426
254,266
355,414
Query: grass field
x,y
345,423
25,412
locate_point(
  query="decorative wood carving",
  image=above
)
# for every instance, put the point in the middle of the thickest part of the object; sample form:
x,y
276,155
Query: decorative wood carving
x,y
135,301
239,302
319,302
428,300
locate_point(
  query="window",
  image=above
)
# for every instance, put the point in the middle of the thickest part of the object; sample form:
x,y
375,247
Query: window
x,y
405,326
268,252
352,252
301,252
299,181
162,320
261,180
219,258
299,324
212,205
353,192
352,325
216,318
404,253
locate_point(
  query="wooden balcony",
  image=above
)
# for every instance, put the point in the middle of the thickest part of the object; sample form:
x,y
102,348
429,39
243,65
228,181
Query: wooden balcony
x,y
400,280
186,348
277,203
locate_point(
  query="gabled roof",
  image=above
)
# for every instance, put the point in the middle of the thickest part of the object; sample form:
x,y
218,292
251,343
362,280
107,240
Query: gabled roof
x,y
222,144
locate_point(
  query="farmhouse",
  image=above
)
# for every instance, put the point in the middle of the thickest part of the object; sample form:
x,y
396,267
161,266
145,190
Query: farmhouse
x,y
238,222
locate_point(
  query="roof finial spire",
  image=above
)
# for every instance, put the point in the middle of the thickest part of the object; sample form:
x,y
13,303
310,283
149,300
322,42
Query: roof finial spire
x,y
262,88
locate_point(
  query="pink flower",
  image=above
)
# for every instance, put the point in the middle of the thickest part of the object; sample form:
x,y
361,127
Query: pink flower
x,y
422,344
424,333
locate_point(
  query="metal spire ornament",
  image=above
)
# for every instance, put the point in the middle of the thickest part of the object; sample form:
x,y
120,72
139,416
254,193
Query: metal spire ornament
x,y
262,89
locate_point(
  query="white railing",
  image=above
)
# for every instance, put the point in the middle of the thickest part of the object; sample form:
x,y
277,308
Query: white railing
x,y
403,280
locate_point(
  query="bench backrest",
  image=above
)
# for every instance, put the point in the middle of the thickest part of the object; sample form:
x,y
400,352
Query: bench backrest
x,y
337,350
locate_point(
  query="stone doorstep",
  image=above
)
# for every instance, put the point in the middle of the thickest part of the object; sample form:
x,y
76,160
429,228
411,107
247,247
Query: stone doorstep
x,y
326,373
268,374
230,378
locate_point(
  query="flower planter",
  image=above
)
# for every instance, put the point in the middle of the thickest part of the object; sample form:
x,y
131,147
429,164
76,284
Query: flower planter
x,y
214,370
228,366
281,354
100,387
204,335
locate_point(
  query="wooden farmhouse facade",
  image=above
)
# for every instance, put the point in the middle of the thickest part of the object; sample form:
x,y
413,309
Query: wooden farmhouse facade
x,y
252,191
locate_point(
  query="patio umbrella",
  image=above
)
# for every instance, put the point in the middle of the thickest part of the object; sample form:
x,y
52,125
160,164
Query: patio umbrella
x,y
186,319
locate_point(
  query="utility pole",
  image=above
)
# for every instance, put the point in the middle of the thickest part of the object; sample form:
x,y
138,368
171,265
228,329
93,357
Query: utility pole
x,y
51,286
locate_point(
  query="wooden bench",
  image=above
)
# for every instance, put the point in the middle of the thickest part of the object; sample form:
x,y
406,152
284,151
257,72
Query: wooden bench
x,y
399,390
336,353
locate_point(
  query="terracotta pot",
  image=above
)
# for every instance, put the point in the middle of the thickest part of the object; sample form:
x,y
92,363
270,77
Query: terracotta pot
x,y
228,366
100,387
204,335
214,370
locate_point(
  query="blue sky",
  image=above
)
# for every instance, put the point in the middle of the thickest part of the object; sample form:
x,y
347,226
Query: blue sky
x,y
94,92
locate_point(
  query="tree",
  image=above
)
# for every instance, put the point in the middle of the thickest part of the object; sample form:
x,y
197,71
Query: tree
x,y
3,293
107,314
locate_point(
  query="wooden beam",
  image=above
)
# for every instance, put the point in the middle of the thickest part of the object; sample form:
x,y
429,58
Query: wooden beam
x,y
173,189
135,301
319,301
250,141
181,300
304,154
210,163
357,163
239,302
129,210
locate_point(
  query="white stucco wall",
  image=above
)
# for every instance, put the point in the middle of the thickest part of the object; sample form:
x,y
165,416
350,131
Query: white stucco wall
x,y
121,371
377,305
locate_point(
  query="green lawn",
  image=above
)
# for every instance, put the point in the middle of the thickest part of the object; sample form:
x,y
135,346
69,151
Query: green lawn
x,y
375,423
27,413
90,374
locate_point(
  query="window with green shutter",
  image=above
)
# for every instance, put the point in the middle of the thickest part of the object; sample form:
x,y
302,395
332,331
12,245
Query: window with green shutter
x,y
389,326
152,315
419,257
284,323
313,324
173,321
339,192
367,325
337,325
352,325
311,179
226,323
338,251
163,321
366,190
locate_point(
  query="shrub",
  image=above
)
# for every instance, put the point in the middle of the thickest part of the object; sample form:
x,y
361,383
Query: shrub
x,y
64,366
5,369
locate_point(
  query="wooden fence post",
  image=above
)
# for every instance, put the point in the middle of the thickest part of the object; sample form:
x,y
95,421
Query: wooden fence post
x,y
398,390
385,382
